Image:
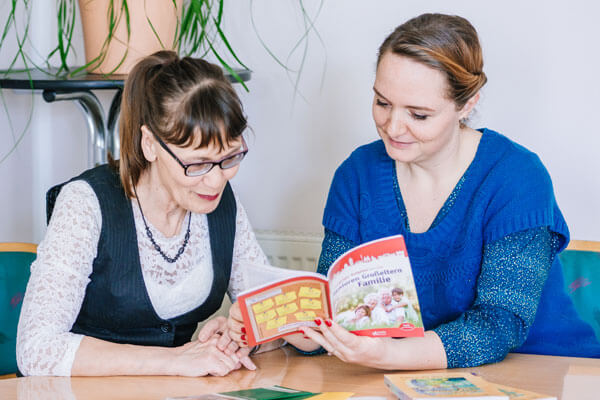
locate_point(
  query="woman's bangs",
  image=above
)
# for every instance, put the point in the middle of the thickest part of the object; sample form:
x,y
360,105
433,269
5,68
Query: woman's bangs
x,y
216,115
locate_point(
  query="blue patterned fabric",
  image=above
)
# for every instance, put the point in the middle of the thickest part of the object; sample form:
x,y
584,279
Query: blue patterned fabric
x,y
481,268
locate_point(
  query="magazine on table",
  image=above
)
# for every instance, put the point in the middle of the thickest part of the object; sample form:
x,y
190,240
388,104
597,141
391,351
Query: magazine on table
x,y
455,386
368,290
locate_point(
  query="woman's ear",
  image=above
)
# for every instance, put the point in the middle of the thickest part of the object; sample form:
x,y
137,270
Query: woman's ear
x,y
148,144
468,107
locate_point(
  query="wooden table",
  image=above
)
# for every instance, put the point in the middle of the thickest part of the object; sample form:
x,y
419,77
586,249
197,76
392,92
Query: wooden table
x,y
543,374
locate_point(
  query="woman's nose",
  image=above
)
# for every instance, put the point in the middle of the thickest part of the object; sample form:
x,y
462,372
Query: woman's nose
x,y
396,126
215,177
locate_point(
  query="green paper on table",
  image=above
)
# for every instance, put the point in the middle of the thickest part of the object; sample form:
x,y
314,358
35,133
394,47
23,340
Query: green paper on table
x,y
268,393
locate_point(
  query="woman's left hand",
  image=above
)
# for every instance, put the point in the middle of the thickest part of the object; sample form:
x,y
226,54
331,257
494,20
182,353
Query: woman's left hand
x,y
346,346
218,327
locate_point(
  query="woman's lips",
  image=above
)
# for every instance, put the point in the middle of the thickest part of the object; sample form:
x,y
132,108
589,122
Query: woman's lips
x,y
207,197
399,144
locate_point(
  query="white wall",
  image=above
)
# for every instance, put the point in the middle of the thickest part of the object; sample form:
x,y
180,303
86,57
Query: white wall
x,y
541,60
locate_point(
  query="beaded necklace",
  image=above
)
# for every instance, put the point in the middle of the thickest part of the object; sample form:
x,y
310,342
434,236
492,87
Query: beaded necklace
x,y
151,237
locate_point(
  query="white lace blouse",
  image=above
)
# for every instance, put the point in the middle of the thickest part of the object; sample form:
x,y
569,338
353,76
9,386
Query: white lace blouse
x,y
60,274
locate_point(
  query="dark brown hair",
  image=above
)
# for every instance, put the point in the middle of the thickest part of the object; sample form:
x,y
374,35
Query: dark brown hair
x,y
447,43
177,99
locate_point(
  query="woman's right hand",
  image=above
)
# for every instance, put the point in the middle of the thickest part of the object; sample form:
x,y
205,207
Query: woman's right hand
x,y
198,358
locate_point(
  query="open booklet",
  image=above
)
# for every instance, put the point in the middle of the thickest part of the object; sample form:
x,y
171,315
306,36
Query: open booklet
x,y
369,290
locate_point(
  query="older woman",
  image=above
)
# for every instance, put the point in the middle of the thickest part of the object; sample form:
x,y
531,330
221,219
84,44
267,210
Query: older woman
x,y
477,211
136,254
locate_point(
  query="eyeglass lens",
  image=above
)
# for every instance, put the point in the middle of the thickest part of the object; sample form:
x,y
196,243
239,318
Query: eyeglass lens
x,y
204,168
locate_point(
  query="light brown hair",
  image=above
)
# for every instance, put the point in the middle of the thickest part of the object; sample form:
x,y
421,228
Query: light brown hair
x,y
447,43
177,99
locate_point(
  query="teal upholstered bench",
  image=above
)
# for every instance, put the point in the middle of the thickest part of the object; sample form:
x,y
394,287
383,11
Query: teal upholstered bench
x,y
581,267
15,260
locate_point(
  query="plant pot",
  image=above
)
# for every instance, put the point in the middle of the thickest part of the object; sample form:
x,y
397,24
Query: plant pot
x,y
119,55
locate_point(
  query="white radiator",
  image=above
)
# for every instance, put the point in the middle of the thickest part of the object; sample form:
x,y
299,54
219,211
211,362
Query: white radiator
x,y
295,250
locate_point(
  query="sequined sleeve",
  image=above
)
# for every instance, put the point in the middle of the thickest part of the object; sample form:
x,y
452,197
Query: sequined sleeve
x,y
334,245
513,272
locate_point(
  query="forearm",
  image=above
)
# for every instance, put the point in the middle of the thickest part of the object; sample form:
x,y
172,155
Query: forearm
x,y
482,335
513,274
97,357
410,353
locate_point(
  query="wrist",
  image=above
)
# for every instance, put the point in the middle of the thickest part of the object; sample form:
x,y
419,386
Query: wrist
x,y
170,360
385,356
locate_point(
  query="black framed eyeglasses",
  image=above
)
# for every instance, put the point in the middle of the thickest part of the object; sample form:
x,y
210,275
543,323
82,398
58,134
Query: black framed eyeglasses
x,y
201,168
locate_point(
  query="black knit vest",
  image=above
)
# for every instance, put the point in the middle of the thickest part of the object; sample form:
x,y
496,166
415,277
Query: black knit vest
x,y
116,306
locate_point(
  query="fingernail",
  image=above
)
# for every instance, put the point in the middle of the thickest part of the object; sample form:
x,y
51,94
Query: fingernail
x,y
318,322
306,337
245,343
243,329
243,337
328,322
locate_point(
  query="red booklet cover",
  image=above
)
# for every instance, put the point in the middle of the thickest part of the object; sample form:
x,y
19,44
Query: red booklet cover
x,y
369,290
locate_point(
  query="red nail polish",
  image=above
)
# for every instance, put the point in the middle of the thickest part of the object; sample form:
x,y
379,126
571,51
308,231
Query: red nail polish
x,y
306,337
243,337
318,322
328,322
245,343
243,329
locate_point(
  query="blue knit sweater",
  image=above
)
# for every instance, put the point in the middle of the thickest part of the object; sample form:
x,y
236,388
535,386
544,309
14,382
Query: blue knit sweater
x,y
480,270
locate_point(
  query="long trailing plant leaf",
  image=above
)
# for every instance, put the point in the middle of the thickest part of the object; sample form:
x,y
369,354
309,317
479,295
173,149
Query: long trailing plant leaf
x,y
296,82
220,12
21,39
21,136
227,67
195,17
11,23
66,16
226,42
261,40
309,26
20,54
113,21
196,35
315,30
151,25
206,36
10,20
178,16
99,59
123,11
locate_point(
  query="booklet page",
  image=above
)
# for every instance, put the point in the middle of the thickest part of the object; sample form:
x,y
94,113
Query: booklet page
x,y
372,288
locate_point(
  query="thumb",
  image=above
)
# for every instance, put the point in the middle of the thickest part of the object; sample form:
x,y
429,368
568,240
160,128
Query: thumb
x,y
247,362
